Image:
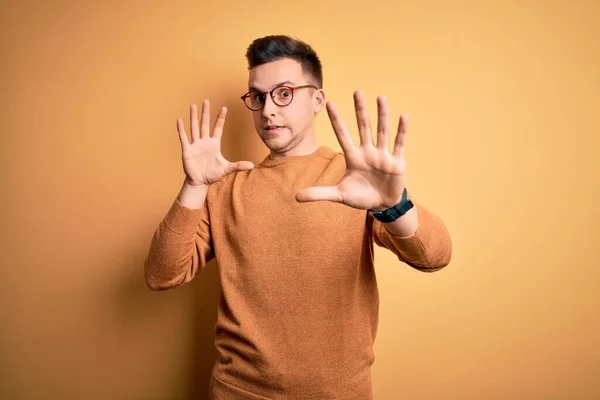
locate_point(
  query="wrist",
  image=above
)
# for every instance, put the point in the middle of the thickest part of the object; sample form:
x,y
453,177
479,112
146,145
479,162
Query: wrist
x,y
192,196
405,226
191,186
394,212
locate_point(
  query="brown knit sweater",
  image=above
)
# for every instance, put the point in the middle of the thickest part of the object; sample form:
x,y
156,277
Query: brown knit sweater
x,y
298,309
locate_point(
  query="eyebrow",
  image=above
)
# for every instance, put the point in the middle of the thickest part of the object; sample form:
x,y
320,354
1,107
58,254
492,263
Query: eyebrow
x,y
279,84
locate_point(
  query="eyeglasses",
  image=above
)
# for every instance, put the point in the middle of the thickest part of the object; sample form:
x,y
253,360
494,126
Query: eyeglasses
x,y
281,95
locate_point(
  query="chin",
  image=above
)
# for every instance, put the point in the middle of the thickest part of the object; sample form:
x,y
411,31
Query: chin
x,y
276,143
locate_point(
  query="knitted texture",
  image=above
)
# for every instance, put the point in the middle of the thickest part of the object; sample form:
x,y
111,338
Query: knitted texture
x,y
298,308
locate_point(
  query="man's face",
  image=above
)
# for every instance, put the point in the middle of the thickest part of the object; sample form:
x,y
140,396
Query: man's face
x,y
285,128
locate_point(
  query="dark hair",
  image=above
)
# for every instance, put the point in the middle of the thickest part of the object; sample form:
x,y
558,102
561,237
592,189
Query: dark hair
x,y
274,47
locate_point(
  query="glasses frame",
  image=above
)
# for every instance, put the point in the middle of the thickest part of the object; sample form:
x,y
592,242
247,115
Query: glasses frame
x,y
270,92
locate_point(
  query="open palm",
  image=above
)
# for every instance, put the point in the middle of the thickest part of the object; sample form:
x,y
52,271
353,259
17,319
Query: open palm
x,y
203,162
374,178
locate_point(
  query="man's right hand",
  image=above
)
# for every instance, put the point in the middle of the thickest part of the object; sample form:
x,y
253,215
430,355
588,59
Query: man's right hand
x,y
203,162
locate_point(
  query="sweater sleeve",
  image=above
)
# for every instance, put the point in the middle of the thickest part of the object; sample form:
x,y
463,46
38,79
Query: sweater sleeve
x,y
180,247
428,249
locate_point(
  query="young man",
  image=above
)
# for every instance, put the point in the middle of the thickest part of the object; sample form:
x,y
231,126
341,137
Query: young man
x,y
293,236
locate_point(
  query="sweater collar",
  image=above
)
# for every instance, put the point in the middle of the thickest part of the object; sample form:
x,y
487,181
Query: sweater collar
x,y
321,151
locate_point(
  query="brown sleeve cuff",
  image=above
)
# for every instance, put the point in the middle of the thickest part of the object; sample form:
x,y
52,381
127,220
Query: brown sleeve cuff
x,y
181,219
428,248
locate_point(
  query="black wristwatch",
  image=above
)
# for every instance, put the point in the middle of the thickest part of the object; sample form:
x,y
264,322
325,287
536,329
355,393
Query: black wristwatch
x,y
393,213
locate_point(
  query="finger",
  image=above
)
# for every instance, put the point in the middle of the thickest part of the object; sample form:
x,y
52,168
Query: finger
x,y
205,120
220,123
339,128
238,166
194,122
382,123
320,193
400,141
362,118
182,134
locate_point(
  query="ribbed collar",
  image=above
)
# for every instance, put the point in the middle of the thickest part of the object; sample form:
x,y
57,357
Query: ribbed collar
x,y
321,151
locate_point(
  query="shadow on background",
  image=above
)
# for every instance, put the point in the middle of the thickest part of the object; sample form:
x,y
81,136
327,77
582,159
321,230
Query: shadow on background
x,y
204,353
138,304
240,142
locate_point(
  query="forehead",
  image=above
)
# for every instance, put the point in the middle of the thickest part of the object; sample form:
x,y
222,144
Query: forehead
x,y
267,76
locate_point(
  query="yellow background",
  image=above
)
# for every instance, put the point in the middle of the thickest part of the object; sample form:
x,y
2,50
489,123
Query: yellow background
x,y
502,99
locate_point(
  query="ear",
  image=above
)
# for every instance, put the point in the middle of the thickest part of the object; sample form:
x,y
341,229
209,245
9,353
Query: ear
x,y
318,101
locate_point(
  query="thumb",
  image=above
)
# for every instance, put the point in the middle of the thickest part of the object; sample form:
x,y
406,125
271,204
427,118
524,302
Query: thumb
x,y
238,166
317,193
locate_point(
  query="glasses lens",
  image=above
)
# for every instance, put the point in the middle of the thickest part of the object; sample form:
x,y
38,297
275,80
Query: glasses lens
x,y
255,100
283,96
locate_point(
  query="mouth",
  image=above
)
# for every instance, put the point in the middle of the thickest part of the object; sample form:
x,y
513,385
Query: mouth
x,y
273,129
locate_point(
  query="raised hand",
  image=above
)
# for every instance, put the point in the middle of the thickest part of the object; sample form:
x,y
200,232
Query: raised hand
x,y
374,178
203,162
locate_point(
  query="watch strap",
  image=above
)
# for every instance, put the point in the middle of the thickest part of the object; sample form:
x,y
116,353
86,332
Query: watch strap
x,y
395,212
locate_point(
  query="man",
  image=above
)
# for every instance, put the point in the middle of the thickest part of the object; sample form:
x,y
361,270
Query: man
x,y
293,236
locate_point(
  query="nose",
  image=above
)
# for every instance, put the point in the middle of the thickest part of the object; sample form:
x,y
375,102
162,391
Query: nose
x,y
269,107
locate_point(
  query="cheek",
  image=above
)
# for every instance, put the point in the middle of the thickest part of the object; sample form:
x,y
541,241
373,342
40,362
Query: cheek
x,y
299,115
257,118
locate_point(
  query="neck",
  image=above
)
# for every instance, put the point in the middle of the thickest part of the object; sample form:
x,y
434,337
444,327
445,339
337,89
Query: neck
x,y
306,146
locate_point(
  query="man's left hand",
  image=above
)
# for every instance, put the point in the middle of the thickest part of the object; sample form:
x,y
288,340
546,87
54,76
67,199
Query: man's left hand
x,y
374,178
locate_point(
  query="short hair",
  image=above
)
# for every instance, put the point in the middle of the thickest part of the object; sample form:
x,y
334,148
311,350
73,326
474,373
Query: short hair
x,y
274,47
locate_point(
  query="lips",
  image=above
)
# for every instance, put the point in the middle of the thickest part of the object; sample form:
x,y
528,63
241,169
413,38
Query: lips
x,y
274,128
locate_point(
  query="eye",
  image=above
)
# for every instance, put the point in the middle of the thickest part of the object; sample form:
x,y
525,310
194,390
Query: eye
x,y
285,93
257,97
